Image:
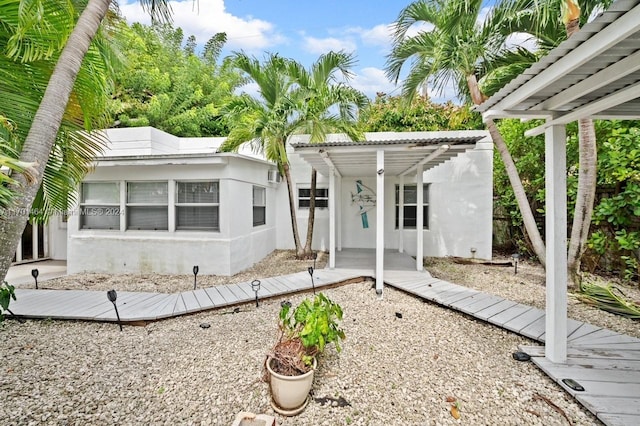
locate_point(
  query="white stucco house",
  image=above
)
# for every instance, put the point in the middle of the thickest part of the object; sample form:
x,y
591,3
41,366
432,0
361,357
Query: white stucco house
x,y
160,203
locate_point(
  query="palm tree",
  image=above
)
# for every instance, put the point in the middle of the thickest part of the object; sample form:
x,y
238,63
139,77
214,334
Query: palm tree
x,y
551,22
293,100
31,45
454,52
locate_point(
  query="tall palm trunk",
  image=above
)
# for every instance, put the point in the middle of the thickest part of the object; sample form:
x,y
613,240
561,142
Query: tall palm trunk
x,y
587,177
512,172
307,251
292,208
46,123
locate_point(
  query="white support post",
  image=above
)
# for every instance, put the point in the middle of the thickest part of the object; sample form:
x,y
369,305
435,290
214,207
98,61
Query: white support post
x,y
419,219
339,213
123,206
34,240
45,239
556,242
332,218
19,251
172,202
401,214
380,223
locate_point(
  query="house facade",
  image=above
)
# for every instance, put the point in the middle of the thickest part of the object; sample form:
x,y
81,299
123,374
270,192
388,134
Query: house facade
x,y
159,203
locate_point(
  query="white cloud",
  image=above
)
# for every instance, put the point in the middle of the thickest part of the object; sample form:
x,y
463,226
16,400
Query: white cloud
x,y
206,18
323,45
380,35
419,27
371,81
523,40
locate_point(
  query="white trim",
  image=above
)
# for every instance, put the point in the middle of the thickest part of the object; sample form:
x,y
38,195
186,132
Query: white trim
x,y
401,214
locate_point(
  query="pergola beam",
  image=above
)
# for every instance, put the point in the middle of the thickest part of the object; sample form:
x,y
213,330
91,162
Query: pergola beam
x,y
619,97
603,40
327,159
435,154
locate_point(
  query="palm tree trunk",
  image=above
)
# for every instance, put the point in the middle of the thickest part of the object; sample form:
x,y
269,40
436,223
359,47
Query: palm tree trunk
x,y
307,251
585,196
587,177
46,123
537,244
292,208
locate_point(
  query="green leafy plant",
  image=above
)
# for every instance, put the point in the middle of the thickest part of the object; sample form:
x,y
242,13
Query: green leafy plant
x,y
305,332
7,292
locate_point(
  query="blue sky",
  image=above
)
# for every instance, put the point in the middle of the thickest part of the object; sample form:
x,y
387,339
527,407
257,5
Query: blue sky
x,y
301,30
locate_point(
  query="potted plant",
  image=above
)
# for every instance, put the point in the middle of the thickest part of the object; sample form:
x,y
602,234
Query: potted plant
x,y
305,333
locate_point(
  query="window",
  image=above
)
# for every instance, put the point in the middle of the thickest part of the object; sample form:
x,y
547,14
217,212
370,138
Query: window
x,y
304,197
147,205
259,206
100,205
410,204
197,206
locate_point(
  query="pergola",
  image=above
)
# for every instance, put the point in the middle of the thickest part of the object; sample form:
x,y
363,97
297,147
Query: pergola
x,y
403,155
595,74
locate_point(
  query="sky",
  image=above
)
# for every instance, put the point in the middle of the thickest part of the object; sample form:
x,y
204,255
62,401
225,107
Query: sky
x,y
301,30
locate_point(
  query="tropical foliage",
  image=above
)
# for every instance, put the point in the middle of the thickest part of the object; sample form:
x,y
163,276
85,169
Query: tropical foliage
x,y
392,114
48,49
455,52
166,85
293,100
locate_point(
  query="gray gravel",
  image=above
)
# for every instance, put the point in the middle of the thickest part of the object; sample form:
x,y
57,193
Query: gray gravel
x,y
392,371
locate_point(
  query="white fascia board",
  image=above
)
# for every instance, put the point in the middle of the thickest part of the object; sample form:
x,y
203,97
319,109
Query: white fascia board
x,y
492,114
624,26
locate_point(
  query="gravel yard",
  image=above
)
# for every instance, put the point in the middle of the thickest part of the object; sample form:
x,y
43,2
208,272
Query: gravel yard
x,y
392,371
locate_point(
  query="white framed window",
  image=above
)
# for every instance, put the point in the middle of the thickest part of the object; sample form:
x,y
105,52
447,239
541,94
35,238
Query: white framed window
x,y
410,206
99,205
197,205
148,206
259,206
304,198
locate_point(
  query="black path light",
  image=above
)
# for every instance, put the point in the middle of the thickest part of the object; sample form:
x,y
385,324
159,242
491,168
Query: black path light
x,y
34,274
112,296
515,257
255,286
310,269
195,276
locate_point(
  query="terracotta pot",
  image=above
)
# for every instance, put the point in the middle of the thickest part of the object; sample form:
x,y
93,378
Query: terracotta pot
x,y
290,393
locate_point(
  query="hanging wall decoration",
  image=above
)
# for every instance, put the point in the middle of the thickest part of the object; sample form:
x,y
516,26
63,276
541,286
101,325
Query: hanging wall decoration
x,y
365,199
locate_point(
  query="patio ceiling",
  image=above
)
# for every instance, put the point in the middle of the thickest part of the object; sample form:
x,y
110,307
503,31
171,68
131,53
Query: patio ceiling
x,y
403,151
595,73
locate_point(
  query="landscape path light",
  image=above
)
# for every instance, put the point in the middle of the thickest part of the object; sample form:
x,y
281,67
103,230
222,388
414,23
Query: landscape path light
x,y
34,274
515,257
255,286
195,276
112,296
313,285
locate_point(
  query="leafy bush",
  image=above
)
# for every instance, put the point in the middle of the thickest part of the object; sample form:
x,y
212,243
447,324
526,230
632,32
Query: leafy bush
x,y
305,333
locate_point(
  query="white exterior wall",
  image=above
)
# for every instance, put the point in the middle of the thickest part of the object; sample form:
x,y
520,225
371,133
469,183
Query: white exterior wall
x,y
460,209
57,238
237,245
